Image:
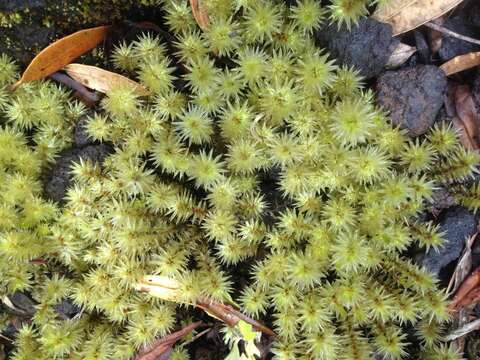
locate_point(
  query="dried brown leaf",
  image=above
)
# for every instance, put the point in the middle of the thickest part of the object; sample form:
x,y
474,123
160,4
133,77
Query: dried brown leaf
x,y
62,52
406,15
467,292
466,120
464,265
399,55
200,14
461,63
102,80
162,347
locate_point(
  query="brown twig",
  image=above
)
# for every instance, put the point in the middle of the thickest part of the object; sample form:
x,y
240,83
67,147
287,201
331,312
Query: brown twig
x,y
199,335
230,316
87,96
164,345
451,33
6,338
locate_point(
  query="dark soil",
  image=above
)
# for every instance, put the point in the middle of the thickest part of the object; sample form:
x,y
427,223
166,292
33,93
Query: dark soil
x,y
58,178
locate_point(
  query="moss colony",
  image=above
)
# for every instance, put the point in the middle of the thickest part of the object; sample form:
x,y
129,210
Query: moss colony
x,y
181,195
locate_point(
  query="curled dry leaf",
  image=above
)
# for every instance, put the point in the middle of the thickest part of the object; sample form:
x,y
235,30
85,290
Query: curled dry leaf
x,y
464,265
463,268
466,120
62,52
199,13
406,15
461,63
400,55
101,80
467,293
162,348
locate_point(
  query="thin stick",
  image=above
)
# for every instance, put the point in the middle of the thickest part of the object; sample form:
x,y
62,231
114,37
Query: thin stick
x,y
6,338
451,33
199,335
472,326
89,97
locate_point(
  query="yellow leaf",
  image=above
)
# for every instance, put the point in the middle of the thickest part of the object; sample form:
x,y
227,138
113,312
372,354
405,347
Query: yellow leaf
x,y
162,287
406,15
62,52
101,80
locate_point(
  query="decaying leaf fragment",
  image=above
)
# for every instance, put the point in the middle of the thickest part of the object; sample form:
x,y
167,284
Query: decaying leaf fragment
x,y
460,106
199,13
62,52
101,80
468,293
467,119
406,15
400,55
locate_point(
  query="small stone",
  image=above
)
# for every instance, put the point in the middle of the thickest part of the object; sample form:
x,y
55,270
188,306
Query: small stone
x,y
458,224
367,46
412,96
442,199
58,178
67,308
23,303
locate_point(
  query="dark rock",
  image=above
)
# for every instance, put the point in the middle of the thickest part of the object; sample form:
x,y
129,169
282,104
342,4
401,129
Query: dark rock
x,y
442,199
474,15
19,5
67,308
458,223
58,178
366,46
423,50
10,330
451,46
80,136
413,96
23,303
